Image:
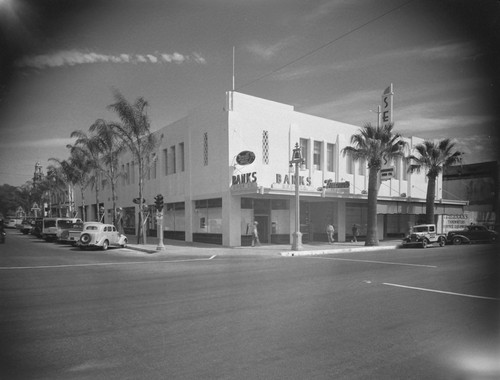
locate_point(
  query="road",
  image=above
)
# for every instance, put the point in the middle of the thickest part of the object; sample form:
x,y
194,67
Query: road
x,y
399,314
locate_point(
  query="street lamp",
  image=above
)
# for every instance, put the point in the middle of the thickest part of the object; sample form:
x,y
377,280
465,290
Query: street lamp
x,y
297,160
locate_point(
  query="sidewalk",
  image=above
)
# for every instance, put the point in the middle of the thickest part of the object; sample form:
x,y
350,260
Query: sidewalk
x,y
176,247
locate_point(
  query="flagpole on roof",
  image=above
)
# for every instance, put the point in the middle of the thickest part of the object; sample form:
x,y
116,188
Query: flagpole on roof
x,y
233,68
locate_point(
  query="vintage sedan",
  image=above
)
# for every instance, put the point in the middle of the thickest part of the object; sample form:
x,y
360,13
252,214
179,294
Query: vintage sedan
x,y
100,235
472,233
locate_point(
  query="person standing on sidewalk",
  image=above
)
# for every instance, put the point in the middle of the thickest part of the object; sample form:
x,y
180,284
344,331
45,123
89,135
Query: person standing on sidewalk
x,y
255,234
329,232
355,233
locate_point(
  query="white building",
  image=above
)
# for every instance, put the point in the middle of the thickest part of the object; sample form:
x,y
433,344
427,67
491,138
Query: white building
x,y
213,190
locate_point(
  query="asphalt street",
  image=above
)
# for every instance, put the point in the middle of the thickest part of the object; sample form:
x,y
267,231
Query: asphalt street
x,y
121,314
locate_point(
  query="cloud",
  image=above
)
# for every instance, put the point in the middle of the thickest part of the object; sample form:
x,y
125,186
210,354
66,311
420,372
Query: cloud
x,y
56,142
76,57
268,51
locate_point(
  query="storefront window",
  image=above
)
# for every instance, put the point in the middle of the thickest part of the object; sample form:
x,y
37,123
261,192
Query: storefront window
x,y
208,216
128,218
356,213
246,221
174,218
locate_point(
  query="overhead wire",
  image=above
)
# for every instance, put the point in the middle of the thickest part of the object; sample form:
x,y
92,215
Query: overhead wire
x,y
326,44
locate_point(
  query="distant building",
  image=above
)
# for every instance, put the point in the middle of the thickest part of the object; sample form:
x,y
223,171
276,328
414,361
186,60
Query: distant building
x,y
479,185
226,165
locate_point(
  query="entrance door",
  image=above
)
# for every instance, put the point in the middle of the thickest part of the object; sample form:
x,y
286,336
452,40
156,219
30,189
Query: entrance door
x,y
263,227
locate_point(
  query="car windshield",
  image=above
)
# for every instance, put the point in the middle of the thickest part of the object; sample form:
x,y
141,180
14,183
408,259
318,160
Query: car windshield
x,y
49,223
420,229
65,223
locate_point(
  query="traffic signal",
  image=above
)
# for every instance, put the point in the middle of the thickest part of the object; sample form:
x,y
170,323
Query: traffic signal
x,y
159,202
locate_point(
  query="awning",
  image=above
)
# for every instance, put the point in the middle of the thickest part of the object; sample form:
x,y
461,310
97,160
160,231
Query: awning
x,y
416,208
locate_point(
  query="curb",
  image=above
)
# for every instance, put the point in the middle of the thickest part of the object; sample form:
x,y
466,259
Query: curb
x,y
142,249
340,250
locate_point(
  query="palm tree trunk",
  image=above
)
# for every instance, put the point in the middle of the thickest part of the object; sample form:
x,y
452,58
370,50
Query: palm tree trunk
x,y
372,231
139,228
429,200
84,217
98,219
114,202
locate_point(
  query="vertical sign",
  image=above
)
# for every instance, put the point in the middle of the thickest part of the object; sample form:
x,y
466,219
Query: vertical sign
x,y
387,102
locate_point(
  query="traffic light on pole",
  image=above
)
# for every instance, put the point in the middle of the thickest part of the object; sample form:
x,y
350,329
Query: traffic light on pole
x,y
159,202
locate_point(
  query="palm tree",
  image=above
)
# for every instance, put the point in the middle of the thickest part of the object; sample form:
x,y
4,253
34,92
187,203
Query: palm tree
x,y
135,133
70,173
79,161
89,147
433,157
377,146
110,149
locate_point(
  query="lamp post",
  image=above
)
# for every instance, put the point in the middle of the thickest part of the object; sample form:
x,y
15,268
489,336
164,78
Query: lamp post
x,y
159,219
297,160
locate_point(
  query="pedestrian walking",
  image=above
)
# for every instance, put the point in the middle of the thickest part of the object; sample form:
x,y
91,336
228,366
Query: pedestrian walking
x,y
329,232
255,234
355,233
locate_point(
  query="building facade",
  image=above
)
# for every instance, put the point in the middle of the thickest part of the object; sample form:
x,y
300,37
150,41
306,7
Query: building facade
x,y
226,165
479,184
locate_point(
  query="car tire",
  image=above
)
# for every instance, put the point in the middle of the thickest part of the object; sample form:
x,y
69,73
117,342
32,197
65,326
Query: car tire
x,y
424,243
442,241
105,245
124,245
457,240
85,238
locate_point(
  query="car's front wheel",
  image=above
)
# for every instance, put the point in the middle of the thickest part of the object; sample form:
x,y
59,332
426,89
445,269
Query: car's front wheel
x,y
424,243
457,240
105,245
124,245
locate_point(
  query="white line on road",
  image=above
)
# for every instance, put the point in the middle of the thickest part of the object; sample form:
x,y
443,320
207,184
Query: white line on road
x,y
107,264
376,262
441,291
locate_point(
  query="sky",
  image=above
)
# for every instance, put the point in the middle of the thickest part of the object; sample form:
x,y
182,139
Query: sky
x,y
61,60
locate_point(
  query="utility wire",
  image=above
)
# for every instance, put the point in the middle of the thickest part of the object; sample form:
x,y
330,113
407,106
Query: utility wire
x,y
327,44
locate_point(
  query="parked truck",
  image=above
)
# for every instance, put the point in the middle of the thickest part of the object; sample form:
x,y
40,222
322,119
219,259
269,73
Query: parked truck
x,y
423,235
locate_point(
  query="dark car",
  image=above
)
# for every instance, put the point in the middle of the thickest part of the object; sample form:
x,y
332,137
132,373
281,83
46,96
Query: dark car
x,y
2,232
37,227
472,233
25,226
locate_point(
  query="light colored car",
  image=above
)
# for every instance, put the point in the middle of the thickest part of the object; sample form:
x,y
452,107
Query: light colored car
x,y
100,235
72,234
424,235
52,228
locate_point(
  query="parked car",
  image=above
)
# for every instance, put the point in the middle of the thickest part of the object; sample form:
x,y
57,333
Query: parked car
x,y
25,226
2,232
12,222
37,227
472,233
53,227
100,235
423,235
72,235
